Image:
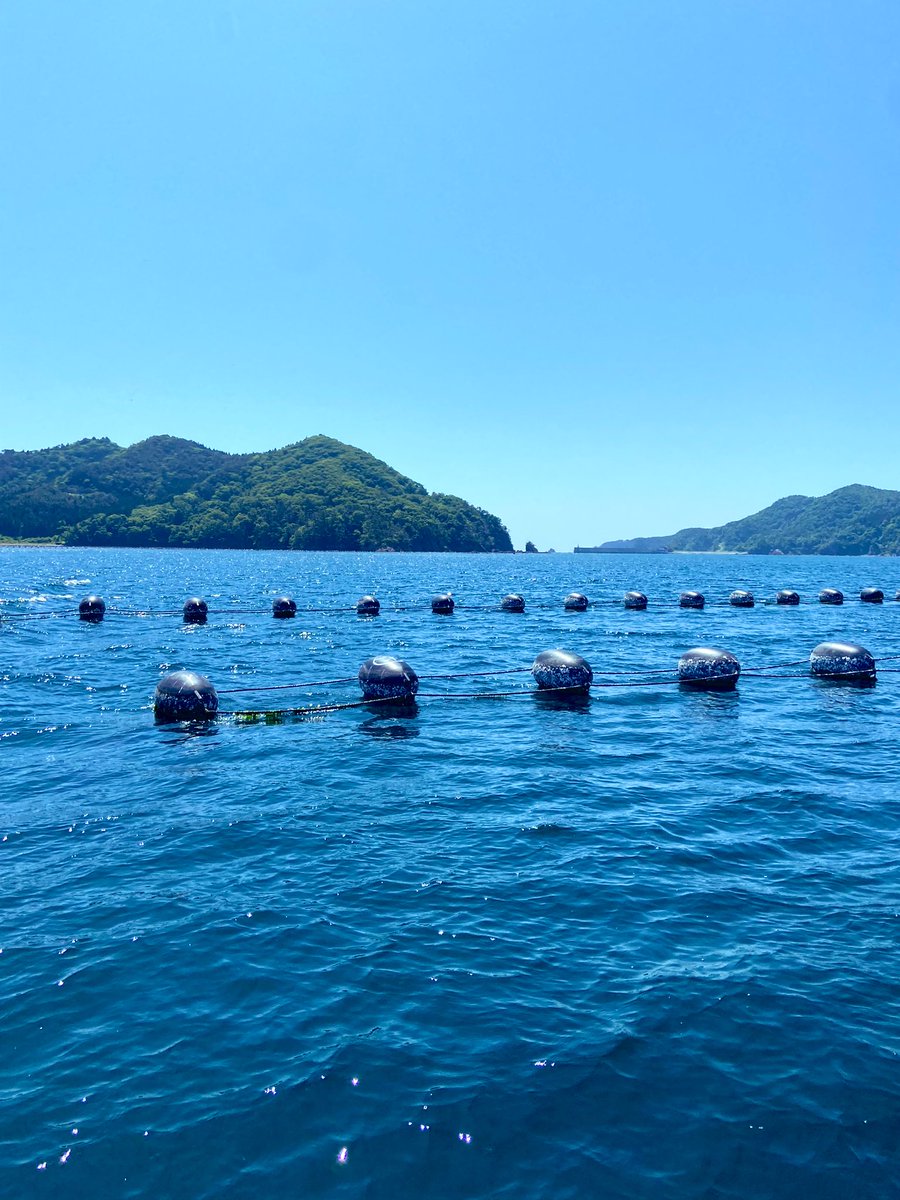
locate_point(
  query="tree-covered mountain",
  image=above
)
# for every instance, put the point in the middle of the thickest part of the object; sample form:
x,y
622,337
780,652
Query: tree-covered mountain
x,y
852,520
318,494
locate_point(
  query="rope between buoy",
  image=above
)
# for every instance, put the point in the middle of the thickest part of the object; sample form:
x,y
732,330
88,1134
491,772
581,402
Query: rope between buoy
x,y
310,710
281,687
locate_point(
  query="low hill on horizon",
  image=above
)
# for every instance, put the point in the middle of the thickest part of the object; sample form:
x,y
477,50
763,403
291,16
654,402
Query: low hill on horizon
x,y
853,520
318,494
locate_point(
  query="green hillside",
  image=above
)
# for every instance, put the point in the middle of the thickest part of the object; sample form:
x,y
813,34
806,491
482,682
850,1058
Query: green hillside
x,y
318,494
852,520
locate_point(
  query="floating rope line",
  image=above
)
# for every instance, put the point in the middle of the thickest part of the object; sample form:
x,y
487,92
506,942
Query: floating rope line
x,y
384,679
144,612
519,692
643,671
544,691
35,616
543,606
274,714
646,672
479,674
280,687
797,662
637,683
277,687
799,675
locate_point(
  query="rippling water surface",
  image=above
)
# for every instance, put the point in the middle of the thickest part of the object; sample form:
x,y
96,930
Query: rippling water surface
x,y
641,946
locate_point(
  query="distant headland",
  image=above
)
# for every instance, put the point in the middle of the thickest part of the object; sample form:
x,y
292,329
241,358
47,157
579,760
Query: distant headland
x,y
853,520
318,494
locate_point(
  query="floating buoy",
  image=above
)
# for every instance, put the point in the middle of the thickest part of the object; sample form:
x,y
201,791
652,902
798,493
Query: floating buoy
x,y
368,606
195,611
634,600
842,660
92,608
442,603
707,669
576,602
692,600
388,678
741,599
185,696
787,597
560,669
831,596
871,595
513,603
284,607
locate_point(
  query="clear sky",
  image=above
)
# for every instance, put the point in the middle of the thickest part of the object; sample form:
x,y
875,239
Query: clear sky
x,y
604,267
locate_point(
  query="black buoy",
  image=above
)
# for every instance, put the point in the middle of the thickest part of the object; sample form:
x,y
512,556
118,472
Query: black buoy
x,y
842,660
92,608
897,595
692,600
513,603
442,603
195,611
872,596
786,596
185,696
560,669
634,600
709,670
576,602
284,607
388,678
831,596
741,599
368,606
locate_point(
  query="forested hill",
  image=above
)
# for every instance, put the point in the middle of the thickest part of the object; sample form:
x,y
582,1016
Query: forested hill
x,y
318,494
852,520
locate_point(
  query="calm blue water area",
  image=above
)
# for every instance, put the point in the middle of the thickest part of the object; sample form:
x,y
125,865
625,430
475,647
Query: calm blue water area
x,y
647,945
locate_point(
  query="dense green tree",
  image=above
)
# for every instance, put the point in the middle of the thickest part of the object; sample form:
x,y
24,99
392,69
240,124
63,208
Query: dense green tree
x,y
318,494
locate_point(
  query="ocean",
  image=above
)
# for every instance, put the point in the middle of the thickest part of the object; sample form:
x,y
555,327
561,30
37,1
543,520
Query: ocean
x,y
645,944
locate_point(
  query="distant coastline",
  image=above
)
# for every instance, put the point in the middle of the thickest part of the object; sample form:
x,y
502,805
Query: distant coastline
x,y
625,550
854,521
4,541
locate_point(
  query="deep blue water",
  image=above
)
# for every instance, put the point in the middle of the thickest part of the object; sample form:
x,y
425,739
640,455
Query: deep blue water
x,y
645,946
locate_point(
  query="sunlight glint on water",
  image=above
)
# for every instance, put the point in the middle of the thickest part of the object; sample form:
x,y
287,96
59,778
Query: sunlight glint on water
x,y
641,946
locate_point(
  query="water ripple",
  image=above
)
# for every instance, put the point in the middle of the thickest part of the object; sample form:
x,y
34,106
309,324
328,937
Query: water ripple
x,y
642,946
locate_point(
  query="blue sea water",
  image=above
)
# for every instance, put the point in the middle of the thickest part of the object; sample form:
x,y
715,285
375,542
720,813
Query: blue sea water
x,y
643,946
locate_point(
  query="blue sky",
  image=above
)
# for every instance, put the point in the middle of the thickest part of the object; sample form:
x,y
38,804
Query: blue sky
x,y
604,268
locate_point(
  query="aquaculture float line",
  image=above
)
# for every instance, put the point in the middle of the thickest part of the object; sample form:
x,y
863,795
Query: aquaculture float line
x,y
384,679
195,610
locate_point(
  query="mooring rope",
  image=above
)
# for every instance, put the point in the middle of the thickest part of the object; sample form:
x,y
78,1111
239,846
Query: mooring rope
x,y
310,710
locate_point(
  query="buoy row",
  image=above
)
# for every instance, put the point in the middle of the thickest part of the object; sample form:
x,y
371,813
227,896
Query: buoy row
x,y
188,696
196,610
